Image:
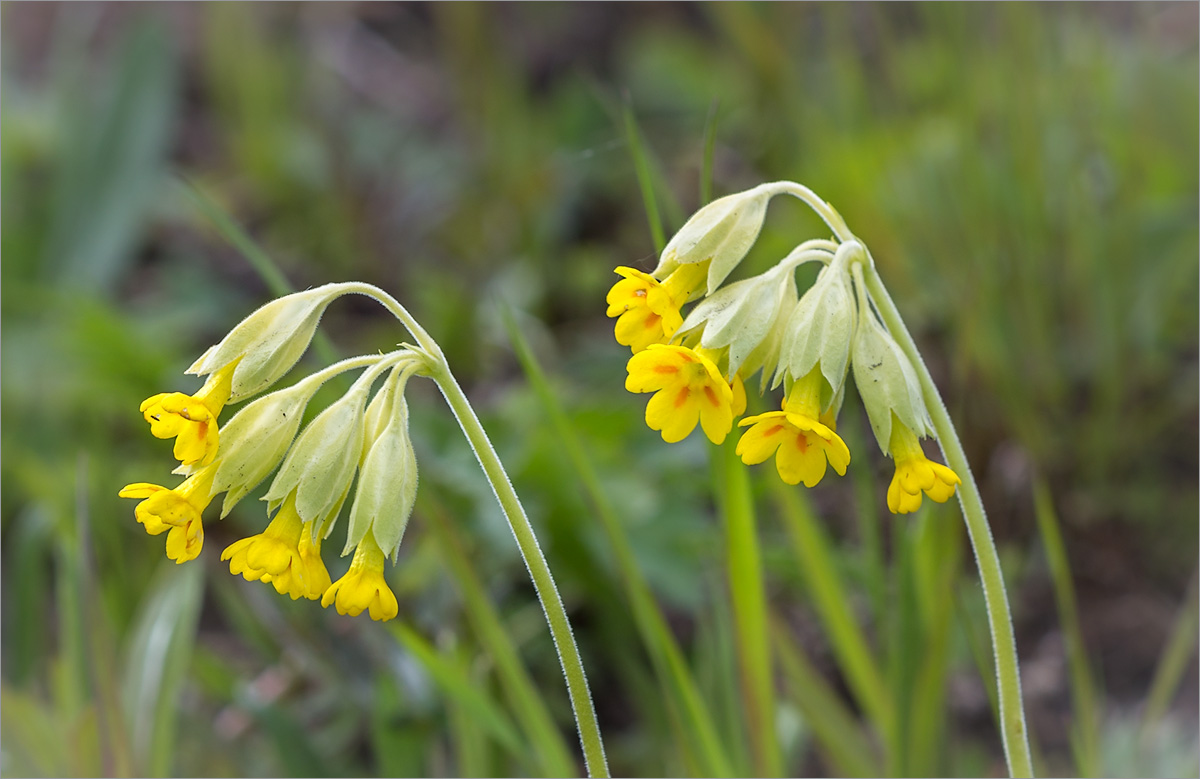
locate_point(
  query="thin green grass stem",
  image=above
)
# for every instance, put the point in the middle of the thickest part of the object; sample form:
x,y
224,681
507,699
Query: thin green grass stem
x,y
1173,663
641,165
1012,714
838,733
1086,727
697,727
550,749
814,558
748,595
539,571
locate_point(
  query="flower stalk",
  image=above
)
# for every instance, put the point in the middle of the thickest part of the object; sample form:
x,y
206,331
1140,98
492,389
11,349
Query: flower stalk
x,y
1014,733
807,344
539,571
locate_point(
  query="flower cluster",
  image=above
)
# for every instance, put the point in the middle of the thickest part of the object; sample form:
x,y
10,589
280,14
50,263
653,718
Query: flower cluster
x,y
361,434
696,364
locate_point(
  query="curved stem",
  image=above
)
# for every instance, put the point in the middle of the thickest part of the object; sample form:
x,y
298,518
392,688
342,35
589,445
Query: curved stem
x,y
354,363
539,571
424,340
827,212
1012,713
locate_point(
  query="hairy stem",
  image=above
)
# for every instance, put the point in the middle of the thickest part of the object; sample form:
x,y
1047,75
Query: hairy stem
x,y
539,571
1012,713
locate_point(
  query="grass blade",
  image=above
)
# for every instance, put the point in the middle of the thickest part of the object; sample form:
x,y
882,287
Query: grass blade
x,y
1086,727
710,148
814,557
157,662
838,733
453,678
641,166
749,610
277,283
1173,663
553,756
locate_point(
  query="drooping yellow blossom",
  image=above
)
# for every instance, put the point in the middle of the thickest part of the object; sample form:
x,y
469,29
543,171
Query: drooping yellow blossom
x,y
688,389
647,309
284,555
177,510
915,473
803,444
363,588
191,419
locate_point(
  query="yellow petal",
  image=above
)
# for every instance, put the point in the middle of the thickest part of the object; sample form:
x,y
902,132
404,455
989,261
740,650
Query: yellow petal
x,y
763,439
715,415
674,412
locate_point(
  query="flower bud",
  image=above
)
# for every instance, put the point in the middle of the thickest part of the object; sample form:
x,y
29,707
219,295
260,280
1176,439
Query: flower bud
x,y
322,462
387,486
722,231
256,439
820,328
743,315
886,381
269,341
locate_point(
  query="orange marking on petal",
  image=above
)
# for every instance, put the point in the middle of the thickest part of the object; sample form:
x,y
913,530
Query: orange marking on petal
x,y
682,397
712,396
802,443
775,429
652,320
666,369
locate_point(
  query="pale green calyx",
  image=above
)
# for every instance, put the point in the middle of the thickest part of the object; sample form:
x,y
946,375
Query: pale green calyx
x,y
820,328
269,341
742,315
722,231
886,381
256,439
322,462
387,486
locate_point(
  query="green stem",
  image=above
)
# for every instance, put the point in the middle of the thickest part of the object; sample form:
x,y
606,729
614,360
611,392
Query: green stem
x,y
1012,715
539,571
749,598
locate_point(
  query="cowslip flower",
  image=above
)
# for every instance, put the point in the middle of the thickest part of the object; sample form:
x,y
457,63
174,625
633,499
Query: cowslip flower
x,y
285,555
647,310
803,441
191,419
177,512
915,473
688,389
363,588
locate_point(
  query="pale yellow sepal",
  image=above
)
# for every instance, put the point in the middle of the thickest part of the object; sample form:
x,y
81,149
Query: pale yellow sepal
x,y
722,231
269,341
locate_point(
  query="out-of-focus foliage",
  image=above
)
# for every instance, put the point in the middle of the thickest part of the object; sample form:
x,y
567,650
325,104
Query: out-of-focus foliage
x,y
1026,178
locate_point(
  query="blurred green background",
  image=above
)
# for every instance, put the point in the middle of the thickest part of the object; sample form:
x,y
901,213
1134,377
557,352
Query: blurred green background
x,y
1025,176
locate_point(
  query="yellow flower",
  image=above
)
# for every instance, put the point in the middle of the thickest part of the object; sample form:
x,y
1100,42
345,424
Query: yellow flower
x,y
178,511
647,309
798,437
688,389
363,587
915,473
284,555
191,419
